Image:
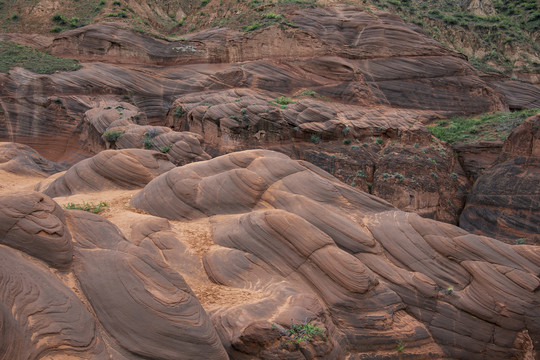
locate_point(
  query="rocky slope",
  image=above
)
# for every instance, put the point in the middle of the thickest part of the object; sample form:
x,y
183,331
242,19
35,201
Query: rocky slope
x,y
225,272
255,185
361,79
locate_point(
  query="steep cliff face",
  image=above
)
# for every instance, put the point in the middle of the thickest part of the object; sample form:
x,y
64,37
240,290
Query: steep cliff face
x,y
504,201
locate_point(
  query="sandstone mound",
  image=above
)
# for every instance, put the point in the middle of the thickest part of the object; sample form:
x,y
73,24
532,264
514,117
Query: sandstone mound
x,y
344,255
143,307
111,169
123,126
22,159
505,201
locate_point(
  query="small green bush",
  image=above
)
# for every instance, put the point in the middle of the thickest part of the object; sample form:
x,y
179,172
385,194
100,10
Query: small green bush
x,y
252,27
148,142
303,332
120,14
59,19
282,100
113,135
87,206
347,141
315,139
178,111
165,149
379,141
273,16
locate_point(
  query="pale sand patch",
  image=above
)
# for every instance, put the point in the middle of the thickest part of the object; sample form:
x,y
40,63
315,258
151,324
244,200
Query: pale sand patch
x,y
197,236
12,183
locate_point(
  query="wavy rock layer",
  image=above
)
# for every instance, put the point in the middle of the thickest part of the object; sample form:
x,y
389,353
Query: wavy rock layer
x,y
22,159
295,232
141,307
122,169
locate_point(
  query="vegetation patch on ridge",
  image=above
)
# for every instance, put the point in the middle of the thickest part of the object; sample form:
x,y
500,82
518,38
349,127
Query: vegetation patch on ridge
x,y
13,55
486,127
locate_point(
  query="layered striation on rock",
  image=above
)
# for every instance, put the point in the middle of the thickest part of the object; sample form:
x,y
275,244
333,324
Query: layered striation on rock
x,y
380,274
375,59
40,316
505,201
31,222
111,299
111,169
23,160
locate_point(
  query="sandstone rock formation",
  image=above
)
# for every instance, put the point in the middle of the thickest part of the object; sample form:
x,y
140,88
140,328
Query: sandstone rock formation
x,y
22,159
111,169
435,272
123,126
145,309
505,201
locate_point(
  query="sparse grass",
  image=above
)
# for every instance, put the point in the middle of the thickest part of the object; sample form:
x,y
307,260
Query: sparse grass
x,y
483,127
516,23
301,332
87,206
13,55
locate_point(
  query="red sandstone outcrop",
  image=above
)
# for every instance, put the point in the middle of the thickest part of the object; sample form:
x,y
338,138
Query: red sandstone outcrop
x,y
110,169
331,232
309,249
505,201
22,159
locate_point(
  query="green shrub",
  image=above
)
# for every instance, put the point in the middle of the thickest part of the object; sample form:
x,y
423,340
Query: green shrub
x,y
165,149
15,17
315,139
59,19
303,332
120,14
282,100
148,142
178,111
347,141
56,29
74,22
87,206
252,27
379,141
273,16
113,135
